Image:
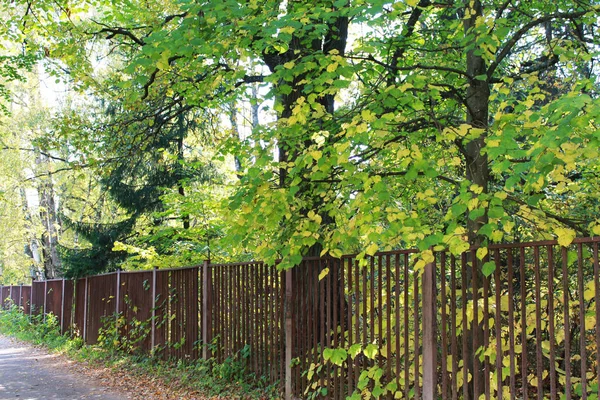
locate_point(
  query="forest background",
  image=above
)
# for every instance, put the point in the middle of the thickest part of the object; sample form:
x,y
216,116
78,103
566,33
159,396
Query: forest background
x,y
188,130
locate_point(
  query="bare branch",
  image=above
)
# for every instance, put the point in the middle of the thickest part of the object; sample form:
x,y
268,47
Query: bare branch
x,y
118,31
502,8
45,154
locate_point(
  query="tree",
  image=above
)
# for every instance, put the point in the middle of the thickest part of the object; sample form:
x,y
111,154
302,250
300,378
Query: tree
x,y
459,123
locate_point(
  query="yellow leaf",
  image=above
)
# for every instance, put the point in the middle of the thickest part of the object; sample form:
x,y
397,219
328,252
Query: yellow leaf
x,y
402,153
473,203
508,226
482,252
316,155
475,188
332,67
590,291
497,235
360,128
367,115
412,3
565,236
372,249
590,321
428,256
323,273
560,336
504,303
289,65
288,29
336,253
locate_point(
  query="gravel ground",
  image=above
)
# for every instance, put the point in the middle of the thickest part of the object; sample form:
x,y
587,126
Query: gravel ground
x,y
30,373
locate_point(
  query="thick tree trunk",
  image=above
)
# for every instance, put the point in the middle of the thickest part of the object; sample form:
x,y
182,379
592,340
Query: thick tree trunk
x,y
334,39
477,172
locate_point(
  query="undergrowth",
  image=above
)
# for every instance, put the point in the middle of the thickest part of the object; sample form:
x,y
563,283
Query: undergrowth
x,y
206,377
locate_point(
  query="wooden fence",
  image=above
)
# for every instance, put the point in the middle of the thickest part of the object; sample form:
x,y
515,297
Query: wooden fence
x,y
397,324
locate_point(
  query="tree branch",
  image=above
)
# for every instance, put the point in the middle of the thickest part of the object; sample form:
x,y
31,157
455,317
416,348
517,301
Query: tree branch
x,y
412,67
116,31
565,221
409,29
521,32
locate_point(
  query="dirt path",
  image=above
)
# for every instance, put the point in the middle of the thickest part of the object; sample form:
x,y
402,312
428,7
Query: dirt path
x,y
31,374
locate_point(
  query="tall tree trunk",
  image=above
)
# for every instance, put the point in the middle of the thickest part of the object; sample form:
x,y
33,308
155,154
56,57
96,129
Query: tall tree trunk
x,y
32,247
477,172
49,219
335,38
181,190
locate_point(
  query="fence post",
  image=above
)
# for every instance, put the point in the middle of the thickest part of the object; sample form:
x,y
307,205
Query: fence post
x,y
20,295
45,298
153,317
62,307
10,290
429,342
206,309
31,299
85,307
118,294
288,334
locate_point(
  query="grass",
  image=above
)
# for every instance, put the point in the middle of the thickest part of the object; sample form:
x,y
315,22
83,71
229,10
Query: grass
x,y
204,377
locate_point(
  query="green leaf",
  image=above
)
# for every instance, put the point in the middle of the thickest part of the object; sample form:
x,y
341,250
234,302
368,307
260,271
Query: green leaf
x,y
354,350
496,212
338,356
391,387
488,268
377,391
363,380
371,351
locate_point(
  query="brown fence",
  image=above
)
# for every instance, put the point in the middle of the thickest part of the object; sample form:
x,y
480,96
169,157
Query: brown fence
x,y
245,307
512,321
38,298
155,311
443,329
17,295
176,330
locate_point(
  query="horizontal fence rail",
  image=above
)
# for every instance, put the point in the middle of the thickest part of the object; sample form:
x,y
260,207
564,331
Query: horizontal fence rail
x,y
519,320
